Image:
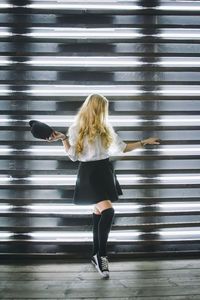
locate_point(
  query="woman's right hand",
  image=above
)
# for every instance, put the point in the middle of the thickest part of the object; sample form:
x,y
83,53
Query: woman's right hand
x,y
55,136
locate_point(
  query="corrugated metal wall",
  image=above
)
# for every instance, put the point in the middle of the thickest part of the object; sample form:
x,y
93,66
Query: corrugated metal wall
x,y
145,57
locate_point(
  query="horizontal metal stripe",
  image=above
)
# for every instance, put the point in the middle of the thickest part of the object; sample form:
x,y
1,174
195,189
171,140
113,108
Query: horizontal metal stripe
x,y
78,227
140,49
79,218
134,200
101,63
114,238
101,40
73,33
51,60
72,90
98,61
180,5
126,181
8,114
72,253
147,155
108,90
69,253
170,137
146,95
121,209
169,161
134,107
150,125
131,157
125,6
106,6
109,33
98,78
121,120
22,186
140,20
54,19
65,196
71,170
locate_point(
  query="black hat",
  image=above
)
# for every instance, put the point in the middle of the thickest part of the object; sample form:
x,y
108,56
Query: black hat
x,y
40,130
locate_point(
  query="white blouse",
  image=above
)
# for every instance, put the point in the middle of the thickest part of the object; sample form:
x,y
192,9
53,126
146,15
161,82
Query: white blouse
x,y
94,151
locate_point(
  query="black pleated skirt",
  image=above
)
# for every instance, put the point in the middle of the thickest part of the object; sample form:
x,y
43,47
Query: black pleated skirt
x,y
96,181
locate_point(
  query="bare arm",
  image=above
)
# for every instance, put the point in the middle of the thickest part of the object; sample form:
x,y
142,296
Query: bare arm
x,y
132,146
66,144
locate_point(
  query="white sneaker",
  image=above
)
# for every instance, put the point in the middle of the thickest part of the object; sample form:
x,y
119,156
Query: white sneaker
x,y
102,265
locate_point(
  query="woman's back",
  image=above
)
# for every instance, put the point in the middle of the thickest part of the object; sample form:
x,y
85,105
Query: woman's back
x,y
94,151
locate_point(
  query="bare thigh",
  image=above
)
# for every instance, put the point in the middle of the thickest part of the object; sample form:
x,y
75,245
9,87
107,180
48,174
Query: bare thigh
x,y
102,205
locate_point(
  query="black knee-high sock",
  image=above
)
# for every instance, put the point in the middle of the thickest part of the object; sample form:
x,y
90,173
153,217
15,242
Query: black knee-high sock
x,y
95,219
105,224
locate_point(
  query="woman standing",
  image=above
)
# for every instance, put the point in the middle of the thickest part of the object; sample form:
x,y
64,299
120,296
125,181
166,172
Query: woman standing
x,y
90,140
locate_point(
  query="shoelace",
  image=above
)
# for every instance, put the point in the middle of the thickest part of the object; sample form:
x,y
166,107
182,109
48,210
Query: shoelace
x,y
104,263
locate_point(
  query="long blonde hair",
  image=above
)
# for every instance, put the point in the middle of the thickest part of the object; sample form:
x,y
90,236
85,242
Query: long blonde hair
x,y
92,120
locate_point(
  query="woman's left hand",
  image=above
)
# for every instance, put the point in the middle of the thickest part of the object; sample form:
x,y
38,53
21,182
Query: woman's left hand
x,y
152,141
55,136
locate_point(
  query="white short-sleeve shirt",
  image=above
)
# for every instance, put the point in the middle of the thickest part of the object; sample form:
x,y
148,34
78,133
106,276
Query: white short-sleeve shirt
x,y
94,151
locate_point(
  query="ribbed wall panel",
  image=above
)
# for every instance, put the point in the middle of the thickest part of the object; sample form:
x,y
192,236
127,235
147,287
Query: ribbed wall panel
x,y
145,57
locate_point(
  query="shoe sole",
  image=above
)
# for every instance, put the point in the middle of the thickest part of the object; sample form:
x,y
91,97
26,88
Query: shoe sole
x,y
102,275
94,264
98,269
